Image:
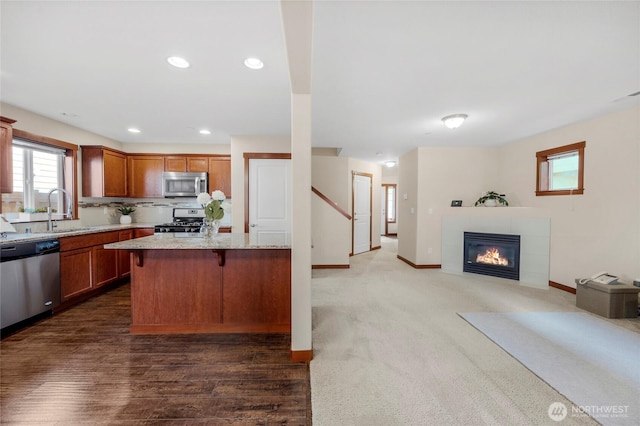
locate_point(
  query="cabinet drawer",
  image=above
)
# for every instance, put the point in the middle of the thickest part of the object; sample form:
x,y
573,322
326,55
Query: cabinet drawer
x,y
81,241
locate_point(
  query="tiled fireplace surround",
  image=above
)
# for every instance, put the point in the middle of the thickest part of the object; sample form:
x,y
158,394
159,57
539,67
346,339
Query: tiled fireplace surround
x,y
533,226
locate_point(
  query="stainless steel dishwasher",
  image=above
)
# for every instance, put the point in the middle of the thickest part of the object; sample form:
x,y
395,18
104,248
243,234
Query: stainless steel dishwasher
x,y
29,280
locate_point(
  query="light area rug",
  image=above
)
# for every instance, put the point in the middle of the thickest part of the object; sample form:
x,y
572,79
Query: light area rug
x,y
594,363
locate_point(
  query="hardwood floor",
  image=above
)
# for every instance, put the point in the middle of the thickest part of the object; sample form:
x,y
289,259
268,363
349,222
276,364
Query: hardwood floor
x,y
83,367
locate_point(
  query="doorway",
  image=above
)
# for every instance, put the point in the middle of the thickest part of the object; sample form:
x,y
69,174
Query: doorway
x,y
361,240
268,203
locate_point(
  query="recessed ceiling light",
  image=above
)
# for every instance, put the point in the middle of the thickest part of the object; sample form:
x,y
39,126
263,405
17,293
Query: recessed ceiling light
x,y
70,115
390,163
205,132
178,62
133,130
253,63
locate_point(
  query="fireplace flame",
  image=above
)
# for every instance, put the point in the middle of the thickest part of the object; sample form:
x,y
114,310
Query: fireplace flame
x,y
492,257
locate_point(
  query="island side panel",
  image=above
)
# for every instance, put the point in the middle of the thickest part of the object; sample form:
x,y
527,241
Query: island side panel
x,y
257,289
175,290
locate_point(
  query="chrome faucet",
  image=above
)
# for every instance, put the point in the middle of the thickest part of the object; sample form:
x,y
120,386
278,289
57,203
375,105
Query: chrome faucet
x,y
50,224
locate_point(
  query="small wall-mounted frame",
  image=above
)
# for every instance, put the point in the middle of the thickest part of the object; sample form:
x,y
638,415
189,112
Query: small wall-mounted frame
x,y
456,203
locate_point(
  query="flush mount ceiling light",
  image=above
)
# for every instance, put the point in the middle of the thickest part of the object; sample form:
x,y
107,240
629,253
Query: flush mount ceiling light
x,y
454,121
178,62
205,132
133,130
390,163
253,63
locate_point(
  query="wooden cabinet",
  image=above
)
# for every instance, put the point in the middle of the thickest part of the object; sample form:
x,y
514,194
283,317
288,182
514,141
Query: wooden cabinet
x,y
175,164
104,172
197,164
75,272
145,175
188,291
124,265
142,232
220,174
6,155
85,264
104,265
185,163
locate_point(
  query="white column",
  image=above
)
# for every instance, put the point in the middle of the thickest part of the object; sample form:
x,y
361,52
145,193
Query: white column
x,y
301,226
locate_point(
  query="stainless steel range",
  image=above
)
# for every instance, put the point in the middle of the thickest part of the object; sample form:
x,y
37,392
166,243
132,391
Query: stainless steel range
x,y
184,220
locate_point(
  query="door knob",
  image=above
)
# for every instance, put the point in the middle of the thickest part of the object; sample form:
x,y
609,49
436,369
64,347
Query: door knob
x,y
253,225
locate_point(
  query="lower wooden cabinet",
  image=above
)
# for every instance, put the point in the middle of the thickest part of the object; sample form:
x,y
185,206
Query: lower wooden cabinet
x,y
124,265
105,265
142,232
85,264
75,272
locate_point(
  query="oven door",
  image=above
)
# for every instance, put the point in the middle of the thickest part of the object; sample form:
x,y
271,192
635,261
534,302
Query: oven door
x,y
184,184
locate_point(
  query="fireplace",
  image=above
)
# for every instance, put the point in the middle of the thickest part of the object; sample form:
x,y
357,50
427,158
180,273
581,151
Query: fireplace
x,y
497,255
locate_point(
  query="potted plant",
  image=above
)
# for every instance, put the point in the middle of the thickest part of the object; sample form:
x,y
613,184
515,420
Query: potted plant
x,y
491,199
125,211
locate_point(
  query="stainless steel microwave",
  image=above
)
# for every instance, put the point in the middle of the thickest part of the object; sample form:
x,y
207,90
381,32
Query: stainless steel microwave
x,y
184,184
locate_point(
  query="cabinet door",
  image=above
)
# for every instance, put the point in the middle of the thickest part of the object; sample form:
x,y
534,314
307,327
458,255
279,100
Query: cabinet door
x,y
6,158
142,232
220,175
104,265
115,174
145,175
197,164
124,266
75,272
175,164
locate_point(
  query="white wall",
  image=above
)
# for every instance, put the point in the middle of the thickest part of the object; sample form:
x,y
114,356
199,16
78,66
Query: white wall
x,y
432,177
599,230
408,177
330,231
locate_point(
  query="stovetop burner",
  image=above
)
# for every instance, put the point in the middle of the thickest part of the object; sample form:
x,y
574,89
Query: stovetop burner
x,y
184,220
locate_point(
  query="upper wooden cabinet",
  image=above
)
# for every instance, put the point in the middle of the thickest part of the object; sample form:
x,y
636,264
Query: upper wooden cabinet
x,y
175,164
104,172
110,173
145,175
185,163
220,174
6,155
197,164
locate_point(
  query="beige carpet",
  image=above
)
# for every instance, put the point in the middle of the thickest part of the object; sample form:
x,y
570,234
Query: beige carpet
x,y
390,349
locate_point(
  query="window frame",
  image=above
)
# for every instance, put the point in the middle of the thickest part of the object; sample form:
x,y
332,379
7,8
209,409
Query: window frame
x,y
542,158
386,202
70,162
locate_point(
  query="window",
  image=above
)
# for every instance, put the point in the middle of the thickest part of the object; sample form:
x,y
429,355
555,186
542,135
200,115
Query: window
x,y
390,202
37,169
560,171
41,164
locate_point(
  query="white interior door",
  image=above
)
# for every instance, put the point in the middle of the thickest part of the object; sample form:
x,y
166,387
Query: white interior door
x,y
361,213
269,196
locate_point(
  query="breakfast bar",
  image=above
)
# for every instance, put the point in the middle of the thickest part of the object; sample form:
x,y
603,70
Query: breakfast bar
x,y
232,283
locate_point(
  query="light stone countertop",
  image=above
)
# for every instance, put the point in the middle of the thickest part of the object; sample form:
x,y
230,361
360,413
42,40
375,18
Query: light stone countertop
x,y
193,241
85,230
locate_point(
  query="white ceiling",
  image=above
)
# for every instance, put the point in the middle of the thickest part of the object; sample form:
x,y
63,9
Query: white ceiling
x,y
383,74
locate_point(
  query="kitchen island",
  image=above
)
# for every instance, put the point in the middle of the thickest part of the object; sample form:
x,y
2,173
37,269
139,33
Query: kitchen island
x,y
232,283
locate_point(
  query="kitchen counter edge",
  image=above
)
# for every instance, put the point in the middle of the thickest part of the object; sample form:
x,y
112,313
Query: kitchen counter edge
x,y
226,241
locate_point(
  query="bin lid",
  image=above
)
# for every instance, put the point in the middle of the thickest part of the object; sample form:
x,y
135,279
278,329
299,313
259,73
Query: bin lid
x,y
609,288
